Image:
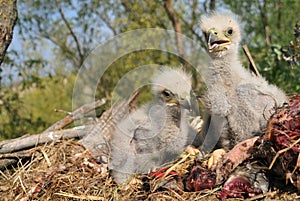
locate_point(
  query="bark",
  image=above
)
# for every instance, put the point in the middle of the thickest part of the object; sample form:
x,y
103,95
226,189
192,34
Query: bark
x,y
31,141
8,18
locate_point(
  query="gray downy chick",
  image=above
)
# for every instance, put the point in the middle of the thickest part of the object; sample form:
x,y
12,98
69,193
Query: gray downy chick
x,y
156,133
239,103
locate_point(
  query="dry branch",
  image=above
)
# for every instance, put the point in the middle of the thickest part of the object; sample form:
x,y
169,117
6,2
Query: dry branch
x,y
13,150
253,67
77,114
13,158
54,132
30,141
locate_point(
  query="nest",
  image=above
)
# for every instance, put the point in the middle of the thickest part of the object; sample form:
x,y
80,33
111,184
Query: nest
x,y
280,145
65,170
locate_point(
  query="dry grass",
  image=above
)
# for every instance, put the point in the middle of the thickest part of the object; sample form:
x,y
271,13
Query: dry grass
x,y
66,171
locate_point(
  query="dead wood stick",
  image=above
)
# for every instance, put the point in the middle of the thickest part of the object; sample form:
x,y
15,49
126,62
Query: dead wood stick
x,y
4,163
253,67
63,111
51,134
16,155
30,141
13,158
77,114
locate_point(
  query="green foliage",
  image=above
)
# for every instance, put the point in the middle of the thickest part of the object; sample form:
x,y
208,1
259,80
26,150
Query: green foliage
x,y
32,110
268,27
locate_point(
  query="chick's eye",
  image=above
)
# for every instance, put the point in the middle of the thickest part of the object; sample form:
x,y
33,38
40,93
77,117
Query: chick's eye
x,y
229,31
166,93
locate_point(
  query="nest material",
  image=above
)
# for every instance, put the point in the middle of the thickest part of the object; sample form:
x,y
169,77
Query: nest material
x,y
281,142
56,172
65,170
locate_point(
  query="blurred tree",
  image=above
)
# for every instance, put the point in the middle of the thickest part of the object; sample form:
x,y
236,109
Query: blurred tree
x,y
291,53
268,27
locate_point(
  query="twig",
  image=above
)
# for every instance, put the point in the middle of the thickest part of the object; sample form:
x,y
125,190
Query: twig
x,y
63,111
175,165
22,185
261,196
282,151
46,157
77,114
81,56
253,67
88,197
20,154
209,193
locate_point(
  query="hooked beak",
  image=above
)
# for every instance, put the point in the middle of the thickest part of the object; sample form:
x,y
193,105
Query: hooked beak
x,y
217,41
186,103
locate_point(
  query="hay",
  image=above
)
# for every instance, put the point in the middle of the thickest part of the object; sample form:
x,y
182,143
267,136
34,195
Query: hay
x,y
67,171
57,172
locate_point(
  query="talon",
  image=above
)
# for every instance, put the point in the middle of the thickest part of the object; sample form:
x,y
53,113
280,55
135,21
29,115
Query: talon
x,y
192,150
215,158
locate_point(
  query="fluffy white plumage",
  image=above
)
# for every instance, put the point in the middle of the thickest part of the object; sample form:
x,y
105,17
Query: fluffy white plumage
x,y
175,80
241,100
156,133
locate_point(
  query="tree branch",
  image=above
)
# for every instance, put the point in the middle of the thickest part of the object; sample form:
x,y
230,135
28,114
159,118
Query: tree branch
x,y
190,27
81,56
69,54
106,124
30,141
176,25
253,67
107,22
77,114
264,18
